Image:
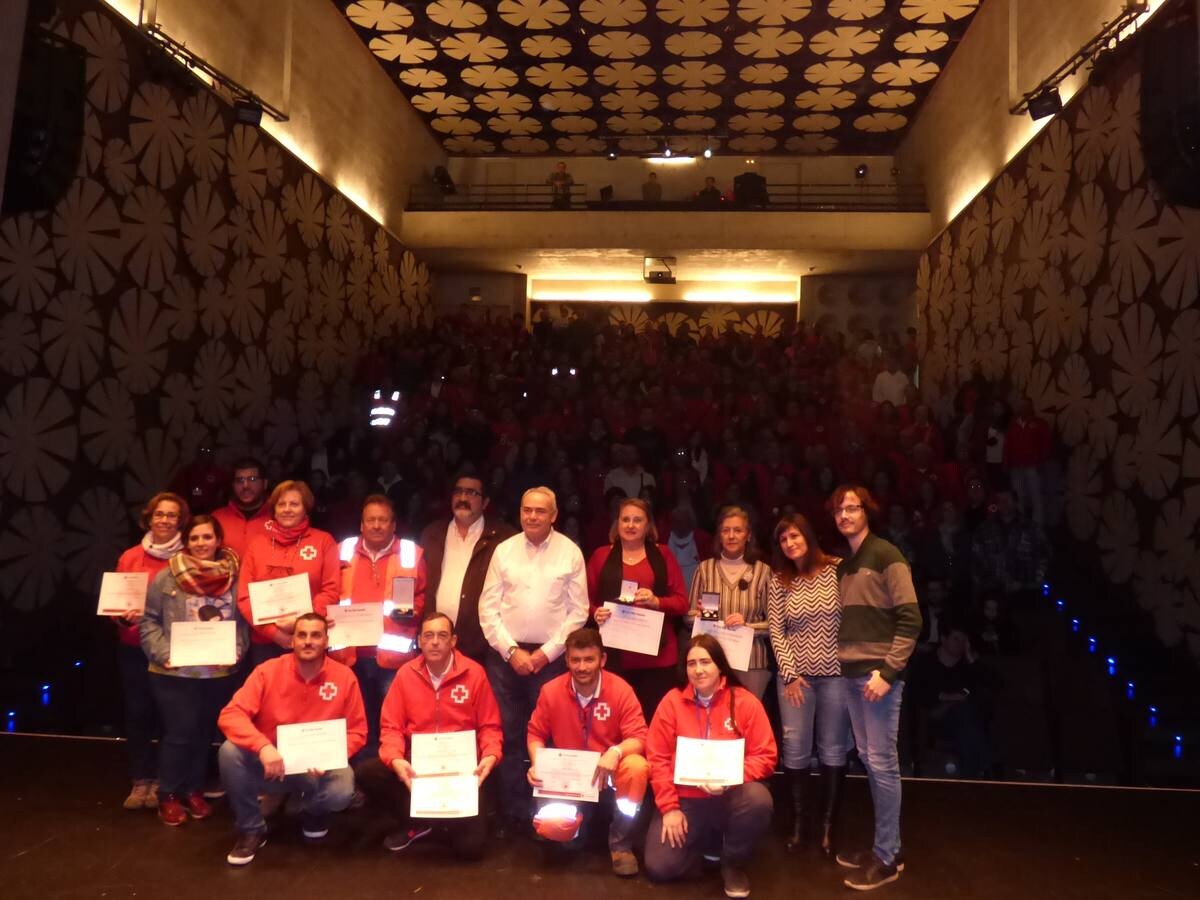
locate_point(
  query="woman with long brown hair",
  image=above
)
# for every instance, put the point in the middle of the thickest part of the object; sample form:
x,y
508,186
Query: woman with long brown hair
x,y
804,613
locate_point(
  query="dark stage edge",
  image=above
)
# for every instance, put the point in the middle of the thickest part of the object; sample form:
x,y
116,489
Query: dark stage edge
x,y
63,834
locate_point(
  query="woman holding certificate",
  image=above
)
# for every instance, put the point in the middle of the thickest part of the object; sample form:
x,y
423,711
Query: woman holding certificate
x,y
190,667
636,570
290,546
162,518
710,747
732,590
804,609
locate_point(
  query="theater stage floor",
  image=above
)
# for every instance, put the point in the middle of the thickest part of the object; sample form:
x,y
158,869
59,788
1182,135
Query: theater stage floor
x,y
64,835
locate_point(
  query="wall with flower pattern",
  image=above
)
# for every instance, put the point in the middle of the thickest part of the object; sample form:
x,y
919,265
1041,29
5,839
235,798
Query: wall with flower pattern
x,y
194,282
1073,279
706,321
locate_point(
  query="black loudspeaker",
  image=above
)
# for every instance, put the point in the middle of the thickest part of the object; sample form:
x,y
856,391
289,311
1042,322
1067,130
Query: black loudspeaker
x,y
47,133
1170,114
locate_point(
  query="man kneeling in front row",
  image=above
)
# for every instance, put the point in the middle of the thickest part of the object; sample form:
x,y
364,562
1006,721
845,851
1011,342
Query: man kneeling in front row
x,y
440,692
300,687
587,708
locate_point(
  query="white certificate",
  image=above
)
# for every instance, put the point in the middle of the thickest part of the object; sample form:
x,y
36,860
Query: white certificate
x,y
212,643
737,642
122,592
567,774
444,797
713,763
632,628
628,589
404,589
312,745
355,625
445,753
279,598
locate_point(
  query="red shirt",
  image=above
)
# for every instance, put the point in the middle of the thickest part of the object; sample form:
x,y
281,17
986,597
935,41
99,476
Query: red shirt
x,y
275,694
238,529
674,603
612,716
679,715
315,554
463,702
1026,443
135,559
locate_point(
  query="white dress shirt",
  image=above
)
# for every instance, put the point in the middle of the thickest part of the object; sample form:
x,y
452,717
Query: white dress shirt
x,y
455,560
534,594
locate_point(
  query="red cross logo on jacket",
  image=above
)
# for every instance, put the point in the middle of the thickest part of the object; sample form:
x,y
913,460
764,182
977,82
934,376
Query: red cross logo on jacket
x,y
602,712
308,552
729,725
327,691
459,693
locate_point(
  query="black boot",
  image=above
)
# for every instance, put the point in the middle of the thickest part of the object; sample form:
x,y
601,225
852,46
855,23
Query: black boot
x,y
832,780
798,784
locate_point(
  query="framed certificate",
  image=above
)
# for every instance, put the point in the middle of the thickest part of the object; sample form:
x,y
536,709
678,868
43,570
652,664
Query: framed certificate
x,y
122,592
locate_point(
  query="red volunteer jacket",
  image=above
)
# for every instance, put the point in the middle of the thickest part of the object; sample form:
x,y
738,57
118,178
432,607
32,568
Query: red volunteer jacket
x,y
238,529
464,701
315,554
275,695
135,559
679,715
613,716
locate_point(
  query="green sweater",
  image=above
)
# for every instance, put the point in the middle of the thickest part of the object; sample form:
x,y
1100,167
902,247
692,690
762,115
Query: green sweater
x,y
880,617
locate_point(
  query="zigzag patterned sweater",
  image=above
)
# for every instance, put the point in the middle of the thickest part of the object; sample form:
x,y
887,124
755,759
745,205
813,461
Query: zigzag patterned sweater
x,y
880,616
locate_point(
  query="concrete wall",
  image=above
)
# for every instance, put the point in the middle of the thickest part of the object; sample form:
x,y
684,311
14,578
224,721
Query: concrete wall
x,y
347,120
501,294
964,134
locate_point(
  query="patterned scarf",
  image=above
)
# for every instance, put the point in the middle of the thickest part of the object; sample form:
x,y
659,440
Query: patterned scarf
x,y
285,537
205,577
162,551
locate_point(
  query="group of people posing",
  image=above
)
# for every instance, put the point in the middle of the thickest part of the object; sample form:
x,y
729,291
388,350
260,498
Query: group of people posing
x,y
503,638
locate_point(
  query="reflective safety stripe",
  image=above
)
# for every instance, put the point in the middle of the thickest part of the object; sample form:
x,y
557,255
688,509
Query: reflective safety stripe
x,y
396,643
564,811
408,554
346,549
627,807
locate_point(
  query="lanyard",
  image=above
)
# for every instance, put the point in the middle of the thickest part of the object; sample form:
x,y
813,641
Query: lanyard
x,y
585,710
704,720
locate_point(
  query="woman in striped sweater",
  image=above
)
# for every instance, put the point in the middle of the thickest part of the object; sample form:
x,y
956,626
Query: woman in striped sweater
x,y
739,579
804,614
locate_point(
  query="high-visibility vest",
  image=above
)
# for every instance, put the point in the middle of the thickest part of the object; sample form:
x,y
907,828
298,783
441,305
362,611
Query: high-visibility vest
x,y
398,641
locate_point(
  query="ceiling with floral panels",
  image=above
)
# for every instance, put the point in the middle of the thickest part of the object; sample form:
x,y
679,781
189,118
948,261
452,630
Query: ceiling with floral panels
x,y
742,76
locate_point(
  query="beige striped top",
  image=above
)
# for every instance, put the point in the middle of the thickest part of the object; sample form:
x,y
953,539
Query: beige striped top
x,y
750,601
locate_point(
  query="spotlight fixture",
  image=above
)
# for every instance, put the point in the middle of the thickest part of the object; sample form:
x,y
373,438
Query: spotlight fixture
x,y
667,152
612,151
247,112
708,152
1046,103
861,171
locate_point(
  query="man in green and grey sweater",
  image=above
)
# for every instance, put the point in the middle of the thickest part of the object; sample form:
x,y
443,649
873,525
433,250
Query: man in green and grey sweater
x,y
879,629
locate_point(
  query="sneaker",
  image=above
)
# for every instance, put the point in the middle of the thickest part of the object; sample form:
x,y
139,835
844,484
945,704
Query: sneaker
x,y
314,828
737,882
245,847
137,795
624,863
860,859
171,811
402,840
873,875
197,806
214,792
152,795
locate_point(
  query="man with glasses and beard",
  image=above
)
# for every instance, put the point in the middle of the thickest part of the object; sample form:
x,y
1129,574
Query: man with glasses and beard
x,y
246,514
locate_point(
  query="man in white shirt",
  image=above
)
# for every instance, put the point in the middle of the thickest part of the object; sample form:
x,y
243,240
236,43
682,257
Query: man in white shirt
x,y
629,476
458,552
535,594
891,385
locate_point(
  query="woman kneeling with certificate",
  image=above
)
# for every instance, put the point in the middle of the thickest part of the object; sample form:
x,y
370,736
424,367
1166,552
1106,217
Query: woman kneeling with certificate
x,y
710,746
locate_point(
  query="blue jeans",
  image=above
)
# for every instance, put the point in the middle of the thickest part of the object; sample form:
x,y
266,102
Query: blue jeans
x,y
517,696
141,713
374,681
242,776
188,707
875,728
824,702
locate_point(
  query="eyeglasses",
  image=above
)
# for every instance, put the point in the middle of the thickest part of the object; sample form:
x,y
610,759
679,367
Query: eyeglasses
x,y
246,479
852,509
165,515
465,492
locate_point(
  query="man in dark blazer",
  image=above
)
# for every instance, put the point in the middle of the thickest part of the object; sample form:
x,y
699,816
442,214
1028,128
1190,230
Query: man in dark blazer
x,y
457,554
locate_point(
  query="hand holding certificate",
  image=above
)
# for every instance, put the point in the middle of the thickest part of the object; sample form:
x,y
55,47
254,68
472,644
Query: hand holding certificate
x,y
632,628
122,592
444,785
312,746
279,598
709,763
737,642
567,774
211,643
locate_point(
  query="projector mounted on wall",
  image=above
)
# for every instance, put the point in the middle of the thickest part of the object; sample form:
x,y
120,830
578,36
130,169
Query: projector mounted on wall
x,y
658,269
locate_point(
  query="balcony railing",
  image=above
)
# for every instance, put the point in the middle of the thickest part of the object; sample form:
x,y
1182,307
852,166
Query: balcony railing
x,y
853,197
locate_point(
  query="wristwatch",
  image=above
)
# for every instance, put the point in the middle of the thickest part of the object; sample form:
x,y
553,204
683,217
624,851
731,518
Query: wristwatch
x,y
511,651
